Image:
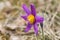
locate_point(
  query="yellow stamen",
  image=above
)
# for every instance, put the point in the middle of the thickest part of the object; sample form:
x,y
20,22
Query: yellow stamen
x,y
31,19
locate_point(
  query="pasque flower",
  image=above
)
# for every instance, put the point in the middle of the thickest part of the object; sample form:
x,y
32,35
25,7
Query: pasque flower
x,y
32,18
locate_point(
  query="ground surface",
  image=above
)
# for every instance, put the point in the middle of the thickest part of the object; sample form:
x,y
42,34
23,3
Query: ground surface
x,y
12,25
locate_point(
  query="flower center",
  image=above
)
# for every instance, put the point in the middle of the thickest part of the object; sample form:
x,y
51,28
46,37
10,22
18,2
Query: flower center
x,y
31,19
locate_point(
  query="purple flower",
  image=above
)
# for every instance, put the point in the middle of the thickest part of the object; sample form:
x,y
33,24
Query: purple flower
x,y
32,18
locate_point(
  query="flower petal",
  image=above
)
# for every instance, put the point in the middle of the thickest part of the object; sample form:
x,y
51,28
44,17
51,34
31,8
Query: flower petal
x,y
24,17
36,28
39,19
26,9
33,10
28,27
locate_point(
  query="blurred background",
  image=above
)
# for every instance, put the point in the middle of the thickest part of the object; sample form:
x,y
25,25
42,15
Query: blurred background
x,y
12,25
